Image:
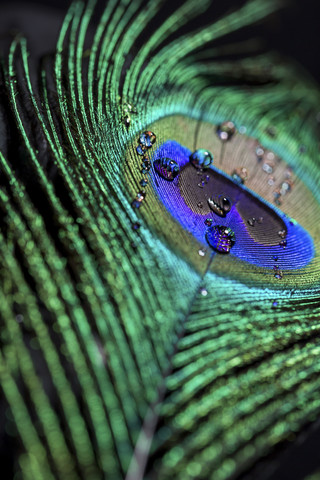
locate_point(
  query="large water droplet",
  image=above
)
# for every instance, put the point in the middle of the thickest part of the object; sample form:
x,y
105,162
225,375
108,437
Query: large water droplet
x,y
220,238
221,205
226,130
147,139
166,168
201,158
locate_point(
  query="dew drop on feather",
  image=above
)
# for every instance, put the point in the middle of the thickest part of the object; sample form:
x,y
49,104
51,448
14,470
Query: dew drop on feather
x,y
220,238
201,158
166,168
147,139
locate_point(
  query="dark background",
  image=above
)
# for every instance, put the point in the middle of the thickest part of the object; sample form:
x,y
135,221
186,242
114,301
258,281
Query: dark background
x,y
294,33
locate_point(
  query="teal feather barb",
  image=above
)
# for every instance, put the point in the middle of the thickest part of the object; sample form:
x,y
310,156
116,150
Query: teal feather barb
x,y
129,348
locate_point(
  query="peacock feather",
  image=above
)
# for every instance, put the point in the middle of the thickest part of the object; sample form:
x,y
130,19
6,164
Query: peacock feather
x,y
160,236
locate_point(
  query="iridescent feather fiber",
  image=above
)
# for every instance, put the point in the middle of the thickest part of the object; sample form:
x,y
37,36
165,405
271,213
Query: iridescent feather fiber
x,y
124,353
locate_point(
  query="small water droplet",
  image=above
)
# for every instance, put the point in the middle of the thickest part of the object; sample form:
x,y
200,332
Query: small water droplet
x,y
201,158
259,153
271,181
146,164
202,252
141,150
283,243
251,221
302,148
166,168
200,205
274,304
278,275
19,318
200,185
285,187
260,220
208,222
267,167
147,139
136,226
242,130
220,238
144,182
226,130
275,258
276,267
126,121
240,175
203,291
271,131
282,233
136,204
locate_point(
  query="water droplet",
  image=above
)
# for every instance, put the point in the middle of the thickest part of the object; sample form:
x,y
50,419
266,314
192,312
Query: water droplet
x,y
146,164
202,252
267,167
200,205
278,275
226,130
285,187
136,204
136,226
208,222
282,233
126,121
220,238
251,221
276,268
259,153
275,258
19,318
271,181
242,130
141,150
147,139
302,148
271,131
166,168
201,158
200,185
260,220
283,243
144,182
240,175
274,304
221,205
203,291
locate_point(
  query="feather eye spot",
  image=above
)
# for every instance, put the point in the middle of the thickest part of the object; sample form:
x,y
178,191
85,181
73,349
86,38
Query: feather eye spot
x,y
221,238
201,158
166,168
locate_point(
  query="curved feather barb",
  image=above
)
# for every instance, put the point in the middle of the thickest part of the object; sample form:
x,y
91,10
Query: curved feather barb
x,y
130,346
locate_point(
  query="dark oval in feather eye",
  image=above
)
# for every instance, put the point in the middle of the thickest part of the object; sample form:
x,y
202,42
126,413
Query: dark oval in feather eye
x,y
195,194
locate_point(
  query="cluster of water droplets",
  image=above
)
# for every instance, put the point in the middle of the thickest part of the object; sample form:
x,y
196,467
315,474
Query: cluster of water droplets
x,y
145,142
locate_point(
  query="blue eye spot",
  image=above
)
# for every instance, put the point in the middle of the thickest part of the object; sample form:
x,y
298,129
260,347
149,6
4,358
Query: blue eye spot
x,y
254,222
